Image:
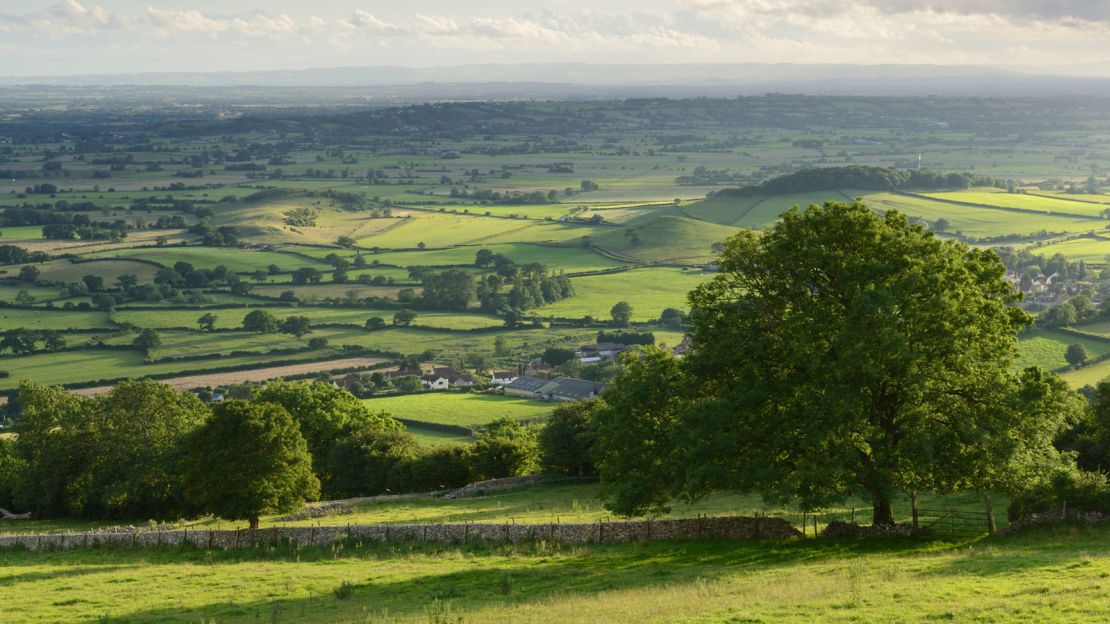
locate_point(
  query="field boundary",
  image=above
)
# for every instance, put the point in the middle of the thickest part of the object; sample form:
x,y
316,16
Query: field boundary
x,y
601,532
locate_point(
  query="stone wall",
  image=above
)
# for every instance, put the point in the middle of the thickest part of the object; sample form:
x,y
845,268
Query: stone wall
x,y
727,528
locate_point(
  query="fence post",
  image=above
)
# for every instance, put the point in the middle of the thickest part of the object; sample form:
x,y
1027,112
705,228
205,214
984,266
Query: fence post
x,y
805,522
913,506
990,513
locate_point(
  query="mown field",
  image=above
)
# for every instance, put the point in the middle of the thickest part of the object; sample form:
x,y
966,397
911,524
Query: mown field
x,y
459,408
648,290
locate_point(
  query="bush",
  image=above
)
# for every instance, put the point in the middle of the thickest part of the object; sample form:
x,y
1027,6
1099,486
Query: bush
x,y
1078,489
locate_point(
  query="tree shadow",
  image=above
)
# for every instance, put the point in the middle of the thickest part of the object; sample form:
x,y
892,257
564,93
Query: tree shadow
x,y
524,574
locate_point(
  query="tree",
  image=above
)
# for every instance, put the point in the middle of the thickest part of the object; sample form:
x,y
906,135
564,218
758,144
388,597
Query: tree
x,y
621,313
842,353
375,322
1076,354
19,340
307,275
53,340
556,356
93,282
345,242
941,225
636,428
369,462
567,440
673,317
296,325
139,429
325,414
28,273
207,322
404,318
249,459
260,321
505,448
104,301
147,341
500,346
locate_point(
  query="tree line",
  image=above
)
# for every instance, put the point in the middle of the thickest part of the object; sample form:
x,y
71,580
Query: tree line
x,y
861,177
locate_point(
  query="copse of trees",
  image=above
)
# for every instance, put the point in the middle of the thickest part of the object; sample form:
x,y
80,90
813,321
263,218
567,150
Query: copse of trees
x,y
861,177
825,364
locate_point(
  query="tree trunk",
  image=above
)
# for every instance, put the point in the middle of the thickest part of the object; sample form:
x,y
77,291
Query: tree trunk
x,y
253,522
913,505
991,527
882,512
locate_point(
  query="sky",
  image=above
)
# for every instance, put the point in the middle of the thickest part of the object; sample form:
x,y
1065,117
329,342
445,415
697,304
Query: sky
x,y
61,37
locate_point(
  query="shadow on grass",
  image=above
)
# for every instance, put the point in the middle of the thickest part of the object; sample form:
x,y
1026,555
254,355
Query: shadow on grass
x,y
503,575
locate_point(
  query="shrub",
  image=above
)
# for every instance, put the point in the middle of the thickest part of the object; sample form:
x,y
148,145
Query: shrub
x,y
567,440
1077,489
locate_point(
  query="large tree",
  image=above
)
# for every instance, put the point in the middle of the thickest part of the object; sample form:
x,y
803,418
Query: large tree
x,y
842,353
249,459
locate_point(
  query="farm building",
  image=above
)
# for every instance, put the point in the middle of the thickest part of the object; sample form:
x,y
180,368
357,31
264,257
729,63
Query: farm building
x,y
502,378
558,389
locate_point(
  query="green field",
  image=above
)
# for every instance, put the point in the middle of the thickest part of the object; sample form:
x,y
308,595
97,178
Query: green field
x,y
1046,347
981,222
569,259
233,317
465,409
1094,249
998,197
235,259
649,290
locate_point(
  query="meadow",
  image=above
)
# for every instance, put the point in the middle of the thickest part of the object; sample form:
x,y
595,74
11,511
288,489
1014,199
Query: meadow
x,y
648,290
463,409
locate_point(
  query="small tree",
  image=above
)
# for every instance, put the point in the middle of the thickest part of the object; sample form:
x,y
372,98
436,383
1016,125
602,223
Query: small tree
x,y
249,459
28,274
345,242
296,325
1076,354
147,341
375,322
404,318
673,317
505,448
621,313
260,321
207,321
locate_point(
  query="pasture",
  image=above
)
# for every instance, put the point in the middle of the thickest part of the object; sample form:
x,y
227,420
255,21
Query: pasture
x,y
649,290
1045,348
465,409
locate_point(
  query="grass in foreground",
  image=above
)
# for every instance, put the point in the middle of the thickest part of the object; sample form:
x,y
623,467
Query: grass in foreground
x,y
1049,575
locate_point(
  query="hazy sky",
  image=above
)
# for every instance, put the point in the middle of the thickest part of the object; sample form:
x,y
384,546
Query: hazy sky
x,y
113,36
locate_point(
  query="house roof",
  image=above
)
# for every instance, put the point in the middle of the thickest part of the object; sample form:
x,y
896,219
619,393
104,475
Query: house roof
x,y
571,388
528,384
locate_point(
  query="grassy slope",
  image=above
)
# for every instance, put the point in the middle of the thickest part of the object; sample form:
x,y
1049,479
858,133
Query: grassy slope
x,y
649,290
1048,575
1046,347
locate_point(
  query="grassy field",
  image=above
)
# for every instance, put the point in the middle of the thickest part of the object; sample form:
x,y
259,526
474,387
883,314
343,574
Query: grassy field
x,y
980,222
459,408
1045,348
569,259
649,290
233,317
235,259
1045,575
1094,250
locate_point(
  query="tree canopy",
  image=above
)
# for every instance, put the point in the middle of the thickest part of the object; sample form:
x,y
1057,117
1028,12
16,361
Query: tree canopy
x,y
249,459
839,354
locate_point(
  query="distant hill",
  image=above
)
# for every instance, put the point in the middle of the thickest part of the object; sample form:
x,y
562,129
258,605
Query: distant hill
x,y
860,177
563,80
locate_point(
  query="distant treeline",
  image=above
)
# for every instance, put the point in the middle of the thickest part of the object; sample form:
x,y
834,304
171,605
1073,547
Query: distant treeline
x,y
862,178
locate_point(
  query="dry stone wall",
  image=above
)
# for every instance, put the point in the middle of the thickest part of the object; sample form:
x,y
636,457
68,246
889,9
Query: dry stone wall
x,y
725,528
